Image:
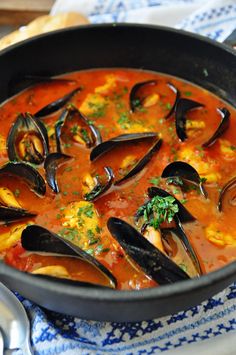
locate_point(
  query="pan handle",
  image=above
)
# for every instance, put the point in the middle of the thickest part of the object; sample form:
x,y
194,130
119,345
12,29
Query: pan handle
x,y
231,40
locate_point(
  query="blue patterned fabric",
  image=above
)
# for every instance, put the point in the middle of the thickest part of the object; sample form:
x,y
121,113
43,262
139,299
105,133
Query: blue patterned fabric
x,y
54,333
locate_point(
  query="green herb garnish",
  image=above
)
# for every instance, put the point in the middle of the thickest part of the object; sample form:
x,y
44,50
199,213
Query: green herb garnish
x,y
158,210
155,181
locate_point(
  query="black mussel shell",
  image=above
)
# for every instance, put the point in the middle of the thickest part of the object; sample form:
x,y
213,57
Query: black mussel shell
x,y
181,236
229,186
107,146
70,282
21,82
180,233
46,79
51,164
223,126
151,260
142,162
93,136
38,239
184,215
56,105
26,172
26,124
185,172
182,107
177,97
10,214
100,189
134,99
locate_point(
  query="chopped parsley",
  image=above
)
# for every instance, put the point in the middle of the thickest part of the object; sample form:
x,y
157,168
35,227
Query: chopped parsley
x,y
175,180
158,210
74,129
155,181
168,106
203,179
17,192
68,169
86,211
124,120
69,233
188,93
99,109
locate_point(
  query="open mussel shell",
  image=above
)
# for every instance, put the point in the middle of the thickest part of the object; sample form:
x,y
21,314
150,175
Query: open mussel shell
x,y
180,254
51,164
183,214
56,105
177,97
223,126
27,140
92,136
228,188
134,98
142,162
180,233
99,189
185,172
11,214
107,146
21,82
26,172
70,281
38,239
182,107
151,260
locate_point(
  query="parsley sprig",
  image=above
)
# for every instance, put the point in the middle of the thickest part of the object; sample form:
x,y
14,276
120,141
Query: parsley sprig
x,y
158,210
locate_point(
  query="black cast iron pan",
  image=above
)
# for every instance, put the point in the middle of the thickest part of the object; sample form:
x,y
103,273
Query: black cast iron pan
x,y
188,56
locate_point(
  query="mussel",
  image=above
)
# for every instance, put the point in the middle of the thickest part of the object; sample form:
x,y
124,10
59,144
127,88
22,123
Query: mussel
x,y
165,208
26,172
182,174
151,260
38,239
230,189
11,214
10,209
52,161
142,162
82,132
223,126
100,188
134,98
182,107
107,146
27,140
56,105
177,97
21,82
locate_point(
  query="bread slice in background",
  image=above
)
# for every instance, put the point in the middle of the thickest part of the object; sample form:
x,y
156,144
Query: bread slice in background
x,y
43,24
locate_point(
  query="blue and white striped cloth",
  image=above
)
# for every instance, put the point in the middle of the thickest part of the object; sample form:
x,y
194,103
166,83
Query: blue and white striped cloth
x,y
208,328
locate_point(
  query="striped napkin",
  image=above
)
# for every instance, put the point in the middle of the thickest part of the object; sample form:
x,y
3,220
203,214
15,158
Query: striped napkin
x,y
208,328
